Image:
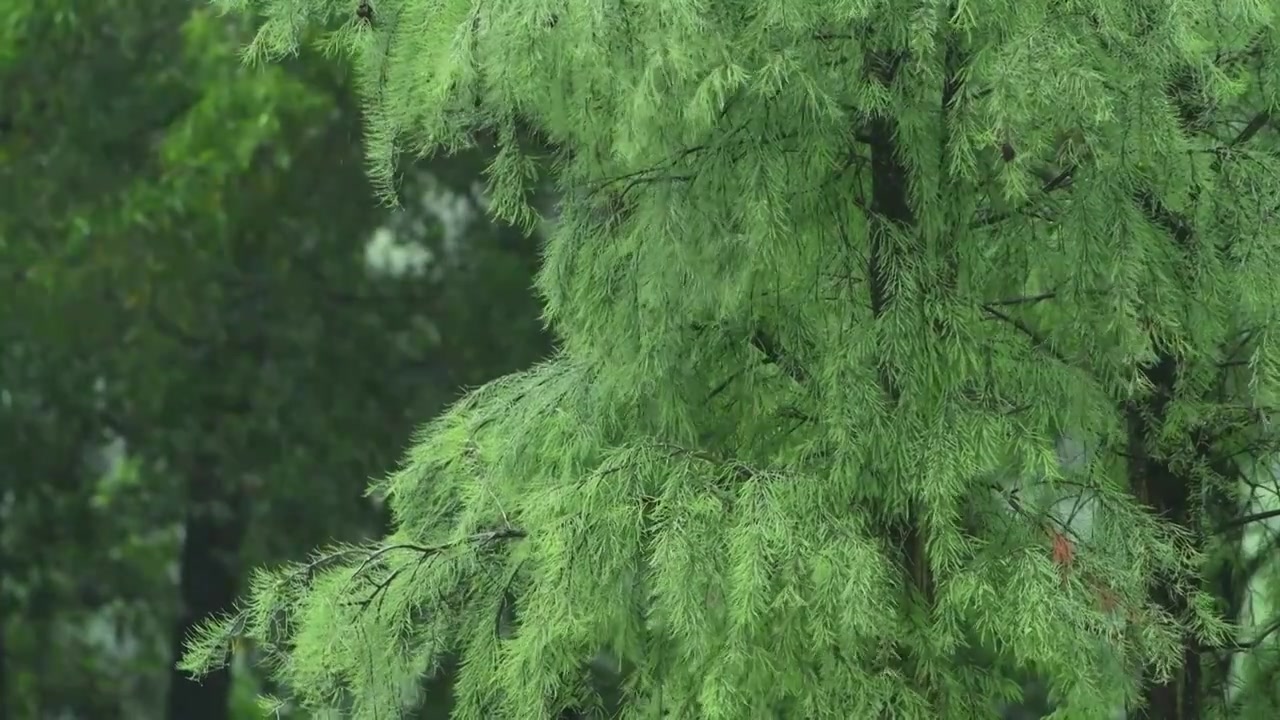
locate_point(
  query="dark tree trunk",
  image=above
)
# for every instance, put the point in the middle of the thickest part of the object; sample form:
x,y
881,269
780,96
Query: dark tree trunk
x,y
1229,582
208,583
4,621
1168,493
1158,485
890,209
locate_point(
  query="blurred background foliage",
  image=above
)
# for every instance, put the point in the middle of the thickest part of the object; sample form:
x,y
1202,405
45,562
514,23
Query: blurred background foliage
x,y
211,338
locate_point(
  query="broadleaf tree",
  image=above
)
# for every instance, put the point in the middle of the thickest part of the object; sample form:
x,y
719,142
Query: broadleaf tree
x,y
833,284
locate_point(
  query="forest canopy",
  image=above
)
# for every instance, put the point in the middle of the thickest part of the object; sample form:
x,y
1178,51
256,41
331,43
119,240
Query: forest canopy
x,y
833,283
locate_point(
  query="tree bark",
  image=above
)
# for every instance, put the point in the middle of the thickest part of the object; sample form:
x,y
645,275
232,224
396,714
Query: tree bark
x,y
208,583
1168,493
4,623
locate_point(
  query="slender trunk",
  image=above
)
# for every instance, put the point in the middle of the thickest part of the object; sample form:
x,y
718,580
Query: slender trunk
x,y
1168,493
891,213
1229,582
890,216
215,527
4,625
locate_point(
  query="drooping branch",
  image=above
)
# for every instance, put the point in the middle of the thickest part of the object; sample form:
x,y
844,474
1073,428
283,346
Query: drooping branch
x,y
1241,521
1256,641
767,344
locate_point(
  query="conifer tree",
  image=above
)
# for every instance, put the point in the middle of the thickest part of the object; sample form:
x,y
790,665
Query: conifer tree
x,y
834,282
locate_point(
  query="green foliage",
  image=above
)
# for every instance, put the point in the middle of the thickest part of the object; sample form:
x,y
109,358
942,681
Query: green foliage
x,y
824,274
181,267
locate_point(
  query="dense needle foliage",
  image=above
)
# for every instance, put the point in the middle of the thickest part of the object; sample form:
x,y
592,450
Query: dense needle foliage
x,y
827,277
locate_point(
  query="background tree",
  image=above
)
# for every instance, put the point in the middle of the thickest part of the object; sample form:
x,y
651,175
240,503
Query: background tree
x,y
200,362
